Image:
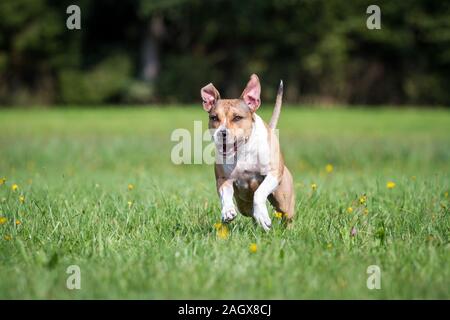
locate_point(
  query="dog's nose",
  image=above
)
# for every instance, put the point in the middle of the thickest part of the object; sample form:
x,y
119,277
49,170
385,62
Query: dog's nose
x,y
223,133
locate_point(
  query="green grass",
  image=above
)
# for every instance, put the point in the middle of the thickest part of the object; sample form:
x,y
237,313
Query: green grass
x,y
74,166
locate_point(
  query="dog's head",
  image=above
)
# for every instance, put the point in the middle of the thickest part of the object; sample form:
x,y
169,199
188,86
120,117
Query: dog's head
x,y
231,120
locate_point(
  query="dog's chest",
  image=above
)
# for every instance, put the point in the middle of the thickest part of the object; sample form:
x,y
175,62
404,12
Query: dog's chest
x,y
248,182
253,158
248,172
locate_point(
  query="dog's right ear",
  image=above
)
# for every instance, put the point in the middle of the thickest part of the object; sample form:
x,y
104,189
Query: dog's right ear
x,y
210,95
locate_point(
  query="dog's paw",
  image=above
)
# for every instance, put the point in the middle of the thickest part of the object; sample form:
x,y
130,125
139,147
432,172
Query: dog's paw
x,y
228,214
261,216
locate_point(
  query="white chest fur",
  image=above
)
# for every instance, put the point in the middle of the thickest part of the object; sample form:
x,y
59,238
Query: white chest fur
x,y
252,159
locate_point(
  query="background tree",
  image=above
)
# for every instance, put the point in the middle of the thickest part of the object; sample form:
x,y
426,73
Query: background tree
x,y
163,51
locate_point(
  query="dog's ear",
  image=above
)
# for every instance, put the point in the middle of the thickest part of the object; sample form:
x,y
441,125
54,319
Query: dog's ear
x,y
252,92
210,95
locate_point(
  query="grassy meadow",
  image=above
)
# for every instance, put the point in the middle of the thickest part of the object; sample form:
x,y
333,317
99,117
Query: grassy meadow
x,y
96,188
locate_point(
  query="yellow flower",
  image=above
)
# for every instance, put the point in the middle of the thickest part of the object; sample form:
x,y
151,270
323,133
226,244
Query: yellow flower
x,y
7,237
329,246
223,232
130,187
2,181
349,209
130,203
253,248
14,187
446,194
314,187
18,222
217,225
3,220
329,168
390,185
366,211
362,199
22,199
278,215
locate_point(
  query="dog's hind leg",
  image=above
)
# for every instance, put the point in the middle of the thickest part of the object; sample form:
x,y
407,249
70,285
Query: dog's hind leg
x,y
283,198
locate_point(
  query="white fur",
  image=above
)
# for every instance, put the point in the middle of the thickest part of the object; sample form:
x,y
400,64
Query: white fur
x,y
226,199
260,212
252,160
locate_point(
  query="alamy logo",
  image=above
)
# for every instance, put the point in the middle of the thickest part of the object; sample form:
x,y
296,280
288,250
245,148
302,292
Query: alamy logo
x,y
374,279
190,149
73,22
74,280
374,20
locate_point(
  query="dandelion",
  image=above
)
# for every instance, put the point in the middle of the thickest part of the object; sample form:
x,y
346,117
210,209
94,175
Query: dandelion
x,y
253,248
217,225
353,232
363,199
130,187
349,209
7,237
14,187
223,232
2,181
22,199
314,187
278,215
366,211
130,203
329,168
390,185
329,246
3,220
446,194
18,222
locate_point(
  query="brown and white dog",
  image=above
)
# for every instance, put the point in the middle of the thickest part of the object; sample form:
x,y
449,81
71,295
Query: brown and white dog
x,y
249,164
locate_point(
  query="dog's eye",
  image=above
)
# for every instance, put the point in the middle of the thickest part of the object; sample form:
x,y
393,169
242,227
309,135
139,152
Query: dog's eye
x,y
214,118
237,118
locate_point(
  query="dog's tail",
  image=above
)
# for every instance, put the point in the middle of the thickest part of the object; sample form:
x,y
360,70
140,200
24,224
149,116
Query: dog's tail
x,y
276,111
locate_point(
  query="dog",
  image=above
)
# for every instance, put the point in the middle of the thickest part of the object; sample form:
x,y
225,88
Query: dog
x,y
249,166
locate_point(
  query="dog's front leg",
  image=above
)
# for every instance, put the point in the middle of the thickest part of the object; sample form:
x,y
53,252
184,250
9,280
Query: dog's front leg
x,y
260,213
226,191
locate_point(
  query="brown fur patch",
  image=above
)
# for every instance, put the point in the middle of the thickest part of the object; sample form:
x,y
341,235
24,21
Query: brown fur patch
x,y
234,115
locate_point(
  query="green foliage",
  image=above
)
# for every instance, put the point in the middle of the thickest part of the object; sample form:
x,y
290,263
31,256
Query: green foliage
x,y
321,48
104,82
158,240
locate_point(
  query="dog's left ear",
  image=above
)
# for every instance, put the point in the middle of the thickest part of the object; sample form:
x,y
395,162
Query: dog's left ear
x,y
252,92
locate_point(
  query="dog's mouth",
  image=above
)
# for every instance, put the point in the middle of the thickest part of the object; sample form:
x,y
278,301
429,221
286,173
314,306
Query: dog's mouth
x,y
227,147
224,144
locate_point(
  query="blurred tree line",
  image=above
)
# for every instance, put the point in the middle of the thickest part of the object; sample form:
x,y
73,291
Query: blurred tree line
x,y
141,51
